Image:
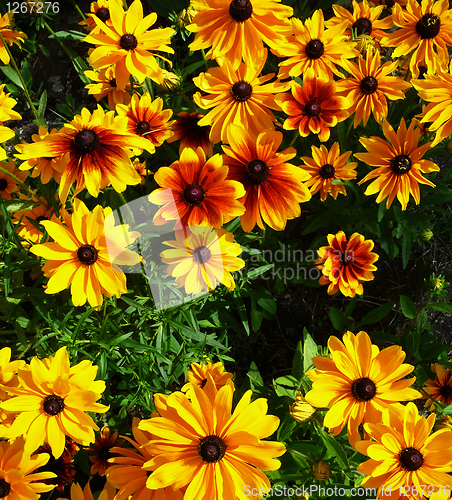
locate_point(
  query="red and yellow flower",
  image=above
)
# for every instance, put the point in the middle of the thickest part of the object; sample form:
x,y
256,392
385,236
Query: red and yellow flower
x,y
186,128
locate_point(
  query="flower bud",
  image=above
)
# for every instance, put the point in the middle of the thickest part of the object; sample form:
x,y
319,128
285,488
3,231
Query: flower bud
x,y
301,410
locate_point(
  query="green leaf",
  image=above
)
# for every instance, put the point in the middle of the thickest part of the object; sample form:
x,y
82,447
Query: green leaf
x,y
297,363
310,350
406,247
259,271
254,375
408,307
12,75
269,304
42,104
334,449
286,428
338,319
439,306
421,321
377,314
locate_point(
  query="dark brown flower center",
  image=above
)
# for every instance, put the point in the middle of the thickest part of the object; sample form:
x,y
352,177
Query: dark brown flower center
x,y
241,91
368,85
346,258
257,171
211,449
327,171
104,453
86,141
103,14
87,254
128,42
389,4
203,383
194,194
363,26
143,127
363,389
422,72
3,184
202,255
5,488
41,218
428,26
112,82
446,391
314,49
312,108
53,405
401,164
240,10
411,459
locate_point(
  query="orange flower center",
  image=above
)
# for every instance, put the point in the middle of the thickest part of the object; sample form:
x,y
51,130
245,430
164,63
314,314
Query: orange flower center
x,y
211,449
5,488
428,26
314,49
411,459
53,405
312,108
128,42
86,141
194,194
241,91
363,389
257,171
327,171
87,254
363,26
368,85
103,14
3,184
240,10
112,82
143,127
401,164
202,255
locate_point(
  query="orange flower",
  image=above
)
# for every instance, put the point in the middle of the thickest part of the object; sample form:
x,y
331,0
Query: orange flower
x,y
10,36
101,10
106,86
274,188
344,264
191,134
199,372
101,451
314,107
8,185
195,191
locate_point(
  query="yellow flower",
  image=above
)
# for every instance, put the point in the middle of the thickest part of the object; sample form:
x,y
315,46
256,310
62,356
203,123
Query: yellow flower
x,y
106,86
10,35
321,470
8,379
51,403
440,388
9,187
200,372
7,104
101,451
301,410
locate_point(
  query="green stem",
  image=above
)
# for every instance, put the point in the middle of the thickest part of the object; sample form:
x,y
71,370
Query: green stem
x,y
19,74
16,179
131,85
59,41
77,8
190,103
294,138
203,52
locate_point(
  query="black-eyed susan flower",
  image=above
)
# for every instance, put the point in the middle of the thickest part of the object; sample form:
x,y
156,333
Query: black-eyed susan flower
x,y
358,381
106,86
326,166
85,254
146,118
100,451
400,164
76,492
314,107
18,477
363,19
46,167
437,91
128,470
129,45
201,256
7,104
346,263
95,149
439,388
200,371
196,192
140,168
274,188
8,379
321,470
404,455
10,35
370,86
197,443
9,187
312,46
238,96
301,410
51,403
190,133
236,29
100,9
426,29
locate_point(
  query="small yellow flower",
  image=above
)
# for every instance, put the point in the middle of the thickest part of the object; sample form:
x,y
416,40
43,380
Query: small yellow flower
x,y
321,470
445,422
364,42
426,234
301,410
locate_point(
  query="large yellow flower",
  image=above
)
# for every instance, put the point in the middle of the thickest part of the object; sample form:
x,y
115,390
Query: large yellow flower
x,y
8,378
399,163
201,256
405,458
10,34
86,254
51,402
127,44
18,479
7,104
358,381
312,46
236,29
95,149
198,443
426,29
238,96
